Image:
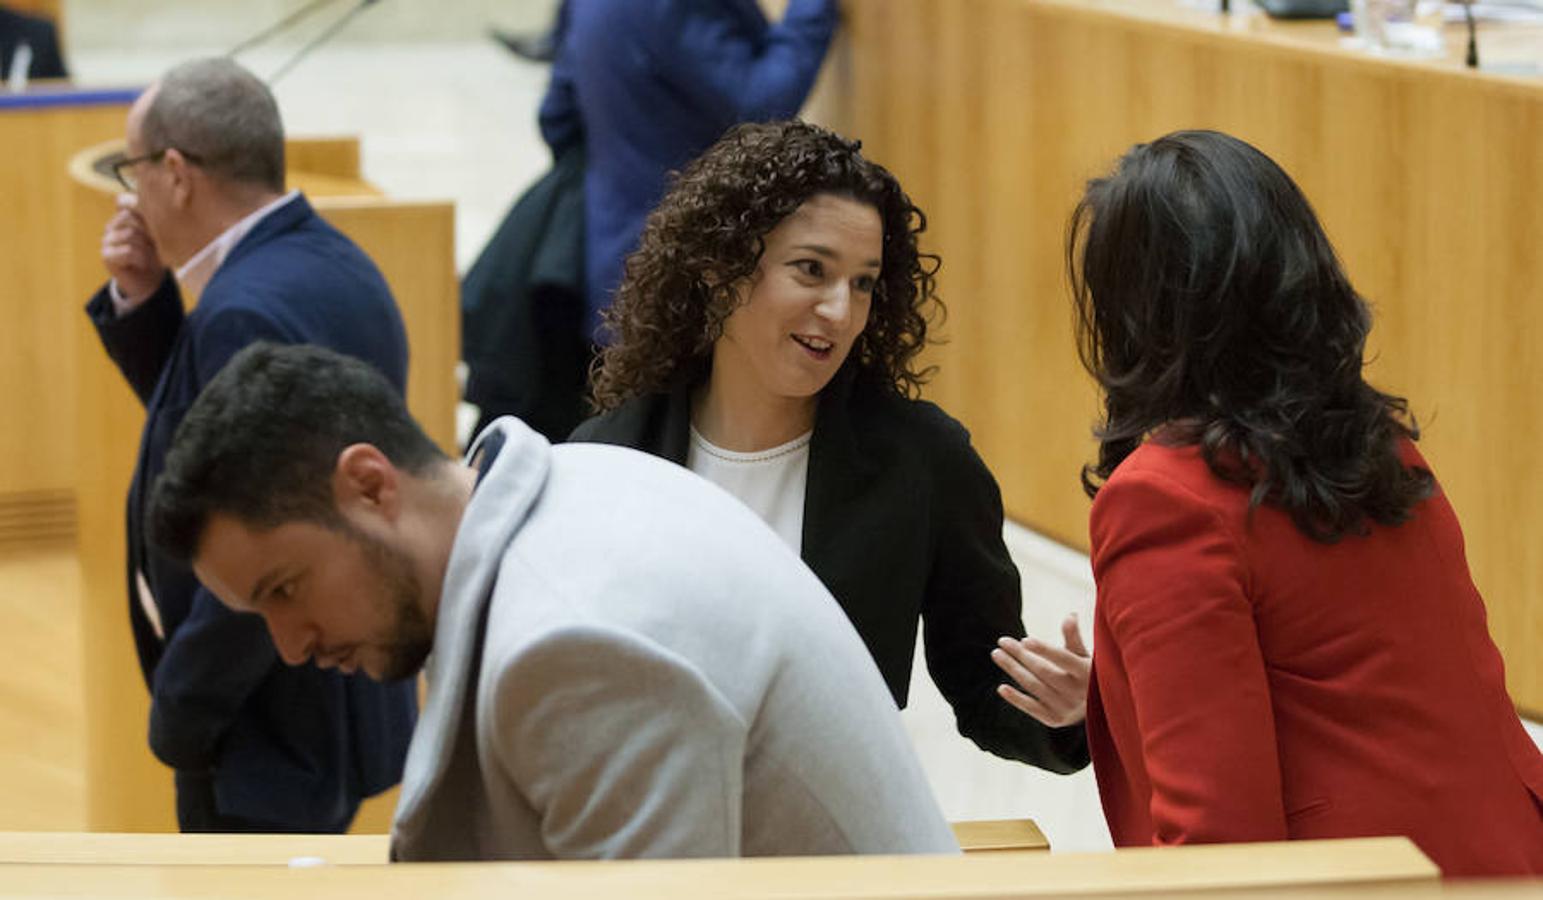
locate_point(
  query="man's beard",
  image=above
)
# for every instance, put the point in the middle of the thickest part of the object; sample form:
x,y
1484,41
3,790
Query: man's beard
x,y
409,636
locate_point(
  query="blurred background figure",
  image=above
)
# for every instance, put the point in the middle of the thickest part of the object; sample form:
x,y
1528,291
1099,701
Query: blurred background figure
x,y
29,48
650,84
638,88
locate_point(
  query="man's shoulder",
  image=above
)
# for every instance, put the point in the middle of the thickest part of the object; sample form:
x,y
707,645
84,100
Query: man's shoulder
x,y
306,258
303,234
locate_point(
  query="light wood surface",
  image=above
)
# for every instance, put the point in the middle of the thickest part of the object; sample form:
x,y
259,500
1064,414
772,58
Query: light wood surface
x,y
413,244
998,835
138,849
1365,861
128,848
337,157
1427,176
42,755
37,355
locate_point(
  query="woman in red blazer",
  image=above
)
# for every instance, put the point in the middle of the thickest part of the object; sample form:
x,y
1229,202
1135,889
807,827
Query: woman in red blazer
x,y
1287,642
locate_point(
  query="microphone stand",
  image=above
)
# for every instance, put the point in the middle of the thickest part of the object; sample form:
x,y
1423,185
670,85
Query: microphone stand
x,y
289,21
277,27
1472,58
320,39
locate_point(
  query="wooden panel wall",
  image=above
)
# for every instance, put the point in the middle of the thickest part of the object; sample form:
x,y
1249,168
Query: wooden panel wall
x,y
37,358
334,157
994,113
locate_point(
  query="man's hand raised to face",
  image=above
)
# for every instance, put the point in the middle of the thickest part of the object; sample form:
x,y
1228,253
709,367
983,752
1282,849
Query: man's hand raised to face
x,y
130,254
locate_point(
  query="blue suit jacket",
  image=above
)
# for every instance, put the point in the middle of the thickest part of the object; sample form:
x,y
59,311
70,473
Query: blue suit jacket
x,y
296,748
650,84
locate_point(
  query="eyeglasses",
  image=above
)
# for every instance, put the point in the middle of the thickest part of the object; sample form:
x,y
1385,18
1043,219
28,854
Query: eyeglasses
x,y
123,169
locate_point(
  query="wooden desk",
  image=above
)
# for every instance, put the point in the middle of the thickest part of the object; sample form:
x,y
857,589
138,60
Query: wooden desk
x,y
994,113
102,848
999,835
133,849
1370,862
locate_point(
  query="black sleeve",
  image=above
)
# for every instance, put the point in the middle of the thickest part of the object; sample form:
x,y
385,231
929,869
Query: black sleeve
x,y
140,342
973,597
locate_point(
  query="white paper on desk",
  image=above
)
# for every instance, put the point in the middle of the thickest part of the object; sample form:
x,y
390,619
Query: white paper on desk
x,y
21,64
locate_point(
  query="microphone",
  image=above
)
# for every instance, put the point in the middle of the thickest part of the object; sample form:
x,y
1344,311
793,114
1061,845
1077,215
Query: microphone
x,y
277,27
1472,59
320,39
290,20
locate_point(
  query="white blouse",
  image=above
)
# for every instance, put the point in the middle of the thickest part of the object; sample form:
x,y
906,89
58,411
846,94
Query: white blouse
x,y
770,482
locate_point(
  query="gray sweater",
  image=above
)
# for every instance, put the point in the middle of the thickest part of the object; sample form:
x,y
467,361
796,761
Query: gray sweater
x,y
628,663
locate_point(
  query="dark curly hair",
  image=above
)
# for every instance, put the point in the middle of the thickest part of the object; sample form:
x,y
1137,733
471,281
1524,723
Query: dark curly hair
x,y
1212,307
707,236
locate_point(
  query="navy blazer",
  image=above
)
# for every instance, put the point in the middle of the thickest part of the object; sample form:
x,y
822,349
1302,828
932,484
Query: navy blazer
x,y
648,85
296,748
902,522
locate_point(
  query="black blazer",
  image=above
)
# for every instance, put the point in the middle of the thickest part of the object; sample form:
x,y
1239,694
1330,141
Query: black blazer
x,y
37,33
902,521
294,748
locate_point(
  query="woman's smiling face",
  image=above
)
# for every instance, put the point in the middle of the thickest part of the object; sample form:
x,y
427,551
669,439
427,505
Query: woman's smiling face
x,y
808,300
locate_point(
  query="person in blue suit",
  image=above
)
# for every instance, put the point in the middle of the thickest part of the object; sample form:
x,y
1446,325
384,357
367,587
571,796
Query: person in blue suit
x,y
649,85
256,745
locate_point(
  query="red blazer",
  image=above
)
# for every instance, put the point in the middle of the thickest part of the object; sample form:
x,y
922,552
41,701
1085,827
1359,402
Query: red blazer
x,y
1251,684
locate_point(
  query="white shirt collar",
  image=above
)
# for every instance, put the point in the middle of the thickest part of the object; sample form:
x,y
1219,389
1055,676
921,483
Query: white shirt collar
x,y
194,274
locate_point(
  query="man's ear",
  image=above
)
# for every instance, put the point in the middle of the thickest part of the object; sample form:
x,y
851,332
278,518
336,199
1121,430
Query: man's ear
x,y
365,482
179,171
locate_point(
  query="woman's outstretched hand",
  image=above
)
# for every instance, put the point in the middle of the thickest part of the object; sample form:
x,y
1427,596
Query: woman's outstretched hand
x,y
1049,683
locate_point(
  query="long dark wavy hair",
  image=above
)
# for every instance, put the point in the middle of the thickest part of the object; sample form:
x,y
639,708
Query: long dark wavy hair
x,y
1211,307
705,240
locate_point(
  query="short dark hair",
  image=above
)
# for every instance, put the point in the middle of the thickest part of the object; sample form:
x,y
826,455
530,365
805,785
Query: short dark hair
x,y
222,114
1211,304
262,441
708,234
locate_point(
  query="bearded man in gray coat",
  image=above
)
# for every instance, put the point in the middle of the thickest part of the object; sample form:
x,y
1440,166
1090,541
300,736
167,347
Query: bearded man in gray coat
x,y
625,661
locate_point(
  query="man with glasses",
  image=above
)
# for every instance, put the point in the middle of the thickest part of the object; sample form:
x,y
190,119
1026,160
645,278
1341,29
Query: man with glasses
x,y
256,746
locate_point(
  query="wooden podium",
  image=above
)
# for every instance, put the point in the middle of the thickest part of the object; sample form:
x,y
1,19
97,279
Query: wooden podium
x,y
412,243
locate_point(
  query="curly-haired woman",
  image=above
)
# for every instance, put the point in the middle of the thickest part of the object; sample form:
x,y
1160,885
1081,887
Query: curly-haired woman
x,y
1288,641
765,335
